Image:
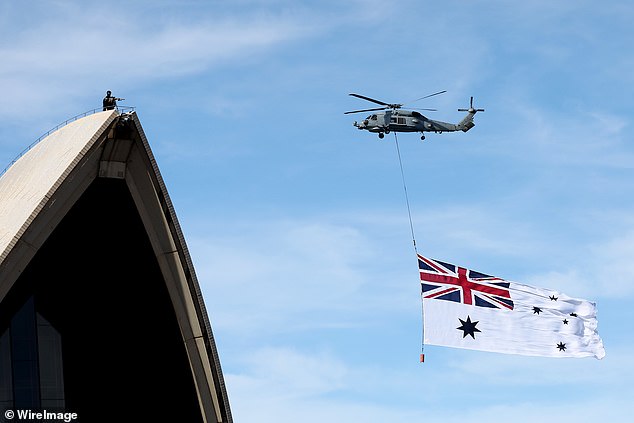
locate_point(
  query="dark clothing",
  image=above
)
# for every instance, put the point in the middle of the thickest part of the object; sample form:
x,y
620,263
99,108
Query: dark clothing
x,y
109,102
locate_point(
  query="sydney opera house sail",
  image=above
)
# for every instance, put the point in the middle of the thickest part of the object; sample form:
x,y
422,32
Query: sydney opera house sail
x,y
101,313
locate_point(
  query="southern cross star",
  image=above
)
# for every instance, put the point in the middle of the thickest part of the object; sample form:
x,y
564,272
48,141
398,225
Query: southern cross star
x,y
468,327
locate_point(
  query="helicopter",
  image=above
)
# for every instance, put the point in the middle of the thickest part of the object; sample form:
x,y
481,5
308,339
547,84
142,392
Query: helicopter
x,y
399,120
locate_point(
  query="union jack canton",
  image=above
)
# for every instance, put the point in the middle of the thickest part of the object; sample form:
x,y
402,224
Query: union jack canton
x,y
444,281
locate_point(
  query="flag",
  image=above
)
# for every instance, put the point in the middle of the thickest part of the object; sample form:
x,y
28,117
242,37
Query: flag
x,y
463,308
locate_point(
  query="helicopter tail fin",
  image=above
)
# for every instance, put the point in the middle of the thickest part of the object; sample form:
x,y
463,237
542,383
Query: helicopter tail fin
x,y
467,123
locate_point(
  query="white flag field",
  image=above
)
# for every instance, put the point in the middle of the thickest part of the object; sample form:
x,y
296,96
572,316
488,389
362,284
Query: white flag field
x,y
467,309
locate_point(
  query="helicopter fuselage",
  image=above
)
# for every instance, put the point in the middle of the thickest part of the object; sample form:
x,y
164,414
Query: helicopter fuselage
x,y
391,118
408,121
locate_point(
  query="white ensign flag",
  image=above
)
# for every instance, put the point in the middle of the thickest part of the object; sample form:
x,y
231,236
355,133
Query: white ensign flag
x,y
467,309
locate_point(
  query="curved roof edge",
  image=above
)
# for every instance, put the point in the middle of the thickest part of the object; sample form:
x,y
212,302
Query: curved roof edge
x,y
188,267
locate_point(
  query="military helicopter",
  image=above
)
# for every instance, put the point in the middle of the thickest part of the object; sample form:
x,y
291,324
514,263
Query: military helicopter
x,y
398,120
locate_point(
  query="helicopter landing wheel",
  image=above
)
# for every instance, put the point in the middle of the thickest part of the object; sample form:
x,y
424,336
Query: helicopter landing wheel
x,y
422,138
381,135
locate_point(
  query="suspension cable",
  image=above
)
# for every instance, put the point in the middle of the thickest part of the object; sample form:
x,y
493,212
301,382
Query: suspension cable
x,y
409,213
411,227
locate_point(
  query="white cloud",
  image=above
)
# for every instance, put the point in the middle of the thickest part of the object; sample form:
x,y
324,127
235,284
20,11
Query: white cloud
x,y
288,374
273,276
66,54
568,138
603,270
286,384
599,408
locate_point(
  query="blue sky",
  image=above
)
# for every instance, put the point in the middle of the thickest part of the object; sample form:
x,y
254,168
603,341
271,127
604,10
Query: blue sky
x,y
297,222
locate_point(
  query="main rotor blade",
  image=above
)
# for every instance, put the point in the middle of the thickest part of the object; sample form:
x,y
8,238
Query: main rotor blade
x,y
366,110
429,110
431,95
369,99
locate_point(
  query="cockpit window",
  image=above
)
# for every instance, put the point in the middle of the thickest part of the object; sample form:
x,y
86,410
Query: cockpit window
x,y
373,117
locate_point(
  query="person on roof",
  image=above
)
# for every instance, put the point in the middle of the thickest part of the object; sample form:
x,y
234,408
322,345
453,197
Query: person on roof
x,y
110,102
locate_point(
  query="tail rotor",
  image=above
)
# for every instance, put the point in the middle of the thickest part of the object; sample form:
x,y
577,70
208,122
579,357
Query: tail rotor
x,y
471,109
